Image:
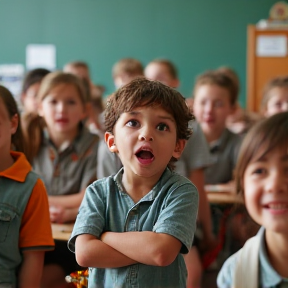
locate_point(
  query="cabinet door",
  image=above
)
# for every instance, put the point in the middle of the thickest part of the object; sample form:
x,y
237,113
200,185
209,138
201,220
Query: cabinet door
x,y
261,69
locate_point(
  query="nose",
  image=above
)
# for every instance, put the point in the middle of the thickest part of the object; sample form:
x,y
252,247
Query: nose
x,y
60,107
208,107
145,135
277,183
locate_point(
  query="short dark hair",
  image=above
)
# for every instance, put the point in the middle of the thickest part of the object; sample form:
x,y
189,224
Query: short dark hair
x,y
142,92
32,77
214,77
264,136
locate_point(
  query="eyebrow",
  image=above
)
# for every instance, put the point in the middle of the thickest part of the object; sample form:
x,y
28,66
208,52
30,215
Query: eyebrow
x,y
159,116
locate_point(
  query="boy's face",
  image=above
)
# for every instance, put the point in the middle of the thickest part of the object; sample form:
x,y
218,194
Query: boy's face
x,y
159,72
278,101
29,99
211,108
145,140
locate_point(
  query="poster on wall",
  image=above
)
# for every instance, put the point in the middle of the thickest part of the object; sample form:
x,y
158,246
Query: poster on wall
x,y
41,56
11,76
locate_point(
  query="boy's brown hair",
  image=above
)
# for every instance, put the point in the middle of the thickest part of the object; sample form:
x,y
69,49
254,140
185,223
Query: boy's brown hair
x,y
142,92
127,66
264,136
278,82
214,77
171,68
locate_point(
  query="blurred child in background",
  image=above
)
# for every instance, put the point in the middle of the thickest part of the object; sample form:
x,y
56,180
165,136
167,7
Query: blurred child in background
x,y
125,70
94,95
30,88
25,232
240,121
275,96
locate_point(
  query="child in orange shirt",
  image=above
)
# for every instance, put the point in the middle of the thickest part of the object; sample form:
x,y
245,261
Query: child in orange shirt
x,y
24,214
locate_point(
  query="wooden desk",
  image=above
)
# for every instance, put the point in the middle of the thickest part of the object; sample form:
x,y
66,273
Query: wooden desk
x,y
222,196
62,231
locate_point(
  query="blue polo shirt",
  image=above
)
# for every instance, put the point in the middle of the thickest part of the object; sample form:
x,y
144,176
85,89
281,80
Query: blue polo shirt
x,y
268,277
170,207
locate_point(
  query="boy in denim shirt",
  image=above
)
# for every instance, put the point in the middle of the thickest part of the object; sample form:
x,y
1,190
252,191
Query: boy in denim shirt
x,y
134,226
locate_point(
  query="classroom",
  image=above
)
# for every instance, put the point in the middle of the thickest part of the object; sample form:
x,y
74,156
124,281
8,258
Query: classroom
x,y
75,141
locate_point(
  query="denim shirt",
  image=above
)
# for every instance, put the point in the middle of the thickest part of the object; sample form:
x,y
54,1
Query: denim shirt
x,y
170,207
268,277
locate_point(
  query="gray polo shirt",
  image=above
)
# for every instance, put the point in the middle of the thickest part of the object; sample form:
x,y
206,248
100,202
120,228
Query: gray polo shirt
x,y
71,170
268,277
170,207
108,163
224,153
196,154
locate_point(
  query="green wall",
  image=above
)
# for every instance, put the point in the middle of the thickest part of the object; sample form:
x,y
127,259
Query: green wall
x,y
195,34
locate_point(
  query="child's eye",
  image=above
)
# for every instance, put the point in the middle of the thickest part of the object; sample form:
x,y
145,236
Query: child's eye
x,y
259,171
132,123
218,104
163,127
71,102
53,101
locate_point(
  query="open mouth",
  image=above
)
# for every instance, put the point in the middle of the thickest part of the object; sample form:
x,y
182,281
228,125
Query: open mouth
x,y
145,156
278,206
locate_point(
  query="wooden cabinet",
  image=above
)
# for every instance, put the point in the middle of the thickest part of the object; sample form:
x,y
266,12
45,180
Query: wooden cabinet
x,y
261,69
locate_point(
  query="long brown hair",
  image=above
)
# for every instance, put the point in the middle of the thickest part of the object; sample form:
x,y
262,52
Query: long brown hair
x,y
11,106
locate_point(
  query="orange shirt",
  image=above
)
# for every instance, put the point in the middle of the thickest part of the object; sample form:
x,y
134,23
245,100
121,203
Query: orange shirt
x,y
35,231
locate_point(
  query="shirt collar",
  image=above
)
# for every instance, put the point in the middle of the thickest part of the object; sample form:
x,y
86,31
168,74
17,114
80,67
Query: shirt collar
x,y
268,275
76,144
20,168
150,196
216,145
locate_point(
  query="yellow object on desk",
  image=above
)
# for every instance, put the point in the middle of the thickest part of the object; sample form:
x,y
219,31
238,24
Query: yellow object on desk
x,y
62,231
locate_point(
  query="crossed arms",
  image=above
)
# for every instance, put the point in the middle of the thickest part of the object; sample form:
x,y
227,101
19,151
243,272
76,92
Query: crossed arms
x,y
126,248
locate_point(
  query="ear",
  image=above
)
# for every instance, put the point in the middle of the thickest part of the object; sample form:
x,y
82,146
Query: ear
x,y
110,141
180,145
14,123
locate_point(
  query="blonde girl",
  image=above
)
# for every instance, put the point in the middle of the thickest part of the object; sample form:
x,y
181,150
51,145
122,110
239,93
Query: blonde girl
x,y
66,151
25,230
262,179
66,159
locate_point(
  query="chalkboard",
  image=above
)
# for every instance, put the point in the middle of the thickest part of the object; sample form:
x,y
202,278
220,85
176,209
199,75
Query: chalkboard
x,y
195,34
